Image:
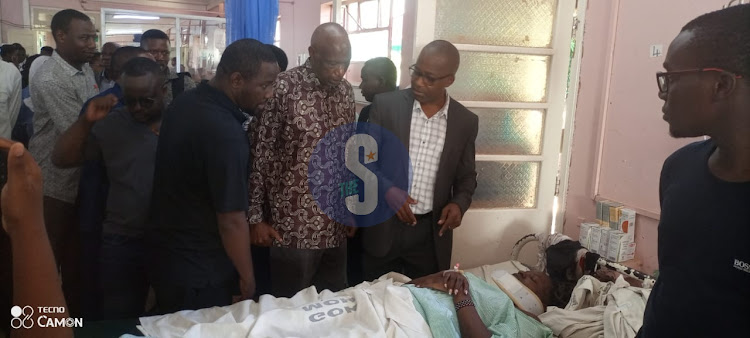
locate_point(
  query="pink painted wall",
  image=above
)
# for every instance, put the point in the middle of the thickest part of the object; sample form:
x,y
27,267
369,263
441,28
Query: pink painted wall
x,y
619,114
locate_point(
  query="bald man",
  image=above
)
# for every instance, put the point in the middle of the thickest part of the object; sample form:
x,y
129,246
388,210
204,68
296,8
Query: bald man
x,y
440,134
307,246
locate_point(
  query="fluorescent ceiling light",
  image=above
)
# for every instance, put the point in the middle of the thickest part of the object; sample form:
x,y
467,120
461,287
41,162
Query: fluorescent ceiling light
x,y
123,31
137,17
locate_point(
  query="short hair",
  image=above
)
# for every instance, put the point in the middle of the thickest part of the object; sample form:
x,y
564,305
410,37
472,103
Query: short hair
x,y
245,56
7,50
153,34
124,54
19,47
385,68
281,57
47,49
141,66
26,70
62,19
722,38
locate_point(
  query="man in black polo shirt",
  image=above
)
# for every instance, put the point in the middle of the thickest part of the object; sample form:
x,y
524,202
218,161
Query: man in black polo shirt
x,y
124,141
200,236
703,288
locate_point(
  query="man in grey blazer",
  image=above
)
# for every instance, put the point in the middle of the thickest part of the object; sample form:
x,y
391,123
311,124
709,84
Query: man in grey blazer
x,y
439,134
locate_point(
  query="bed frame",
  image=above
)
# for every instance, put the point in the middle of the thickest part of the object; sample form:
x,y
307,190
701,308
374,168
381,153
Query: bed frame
x,y
647,280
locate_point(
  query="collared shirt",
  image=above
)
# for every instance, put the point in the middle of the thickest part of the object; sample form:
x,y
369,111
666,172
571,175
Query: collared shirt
x,y
104,82
426,141
128,149
58,91
201,169
299,115
10,98
188,84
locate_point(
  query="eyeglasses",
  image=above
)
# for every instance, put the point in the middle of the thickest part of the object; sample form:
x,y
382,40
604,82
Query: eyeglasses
x,y
143,102
429,80
156,53
662,78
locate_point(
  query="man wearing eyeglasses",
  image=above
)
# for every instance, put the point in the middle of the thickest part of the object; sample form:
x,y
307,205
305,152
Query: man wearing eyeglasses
x,y
124,140
703,289
156,42
92,189
440,135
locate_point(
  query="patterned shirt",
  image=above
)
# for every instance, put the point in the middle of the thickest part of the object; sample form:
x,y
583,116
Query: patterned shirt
x,y
58,91
426,141
171,76
298,116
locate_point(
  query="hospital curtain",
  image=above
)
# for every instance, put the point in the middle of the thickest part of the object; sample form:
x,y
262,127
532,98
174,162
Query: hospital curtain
x,y
254,19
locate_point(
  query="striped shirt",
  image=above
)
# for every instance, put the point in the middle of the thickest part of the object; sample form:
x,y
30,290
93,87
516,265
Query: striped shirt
x,y
426,141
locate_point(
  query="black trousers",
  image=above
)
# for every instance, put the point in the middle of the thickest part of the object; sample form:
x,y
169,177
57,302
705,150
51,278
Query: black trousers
x,y
295,269
173,298
412,252
61,220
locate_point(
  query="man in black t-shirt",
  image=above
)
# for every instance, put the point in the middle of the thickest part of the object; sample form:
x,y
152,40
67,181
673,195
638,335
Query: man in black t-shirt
x,y
200,235
703,288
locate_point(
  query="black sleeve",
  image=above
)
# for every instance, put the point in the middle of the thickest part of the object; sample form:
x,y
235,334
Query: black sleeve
x,y
664,177
226,155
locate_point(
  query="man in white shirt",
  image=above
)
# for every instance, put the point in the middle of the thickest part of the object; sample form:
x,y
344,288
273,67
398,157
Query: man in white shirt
x,y
10,97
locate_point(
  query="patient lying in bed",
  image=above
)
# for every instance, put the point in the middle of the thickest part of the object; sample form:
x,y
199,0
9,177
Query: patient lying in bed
x,y
384,308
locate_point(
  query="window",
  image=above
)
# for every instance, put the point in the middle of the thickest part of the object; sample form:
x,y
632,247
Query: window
x,y
277,35
375,30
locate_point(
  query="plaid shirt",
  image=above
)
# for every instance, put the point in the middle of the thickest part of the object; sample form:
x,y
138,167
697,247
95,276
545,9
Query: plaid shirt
x,y
426,141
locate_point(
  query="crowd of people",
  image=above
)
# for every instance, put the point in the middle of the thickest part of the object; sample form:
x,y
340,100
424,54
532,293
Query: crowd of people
x,y
154,182
200,192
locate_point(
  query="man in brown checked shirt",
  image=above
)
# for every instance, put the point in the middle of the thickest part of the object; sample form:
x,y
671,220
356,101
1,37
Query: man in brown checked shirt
x,y
307,246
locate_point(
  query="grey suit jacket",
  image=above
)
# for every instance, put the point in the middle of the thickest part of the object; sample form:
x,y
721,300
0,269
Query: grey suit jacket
x,y
456,177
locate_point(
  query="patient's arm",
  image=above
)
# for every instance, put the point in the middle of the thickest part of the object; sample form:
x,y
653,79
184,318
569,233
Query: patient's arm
x,y
469,322
456,284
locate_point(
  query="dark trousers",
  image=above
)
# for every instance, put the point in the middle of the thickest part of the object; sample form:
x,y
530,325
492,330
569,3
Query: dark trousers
x,y
354,271
173,298
295,269
123,278
261,269
412,252
61,221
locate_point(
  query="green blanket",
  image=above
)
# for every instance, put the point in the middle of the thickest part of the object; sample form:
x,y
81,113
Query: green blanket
x,y
494,307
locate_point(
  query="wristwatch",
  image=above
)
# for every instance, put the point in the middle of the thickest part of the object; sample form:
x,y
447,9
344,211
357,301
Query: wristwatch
x,y
462,304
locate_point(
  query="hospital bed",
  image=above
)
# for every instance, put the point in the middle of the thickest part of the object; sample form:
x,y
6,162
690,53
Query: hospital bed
x,y
392,308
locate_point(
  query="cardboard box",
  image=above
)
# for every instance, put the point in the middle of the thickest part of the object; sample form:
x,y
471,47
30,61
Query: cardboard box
x,y
595,237
627,251
599,212
604,241
605,213
621,247
584,237
613,249
614,215
627,222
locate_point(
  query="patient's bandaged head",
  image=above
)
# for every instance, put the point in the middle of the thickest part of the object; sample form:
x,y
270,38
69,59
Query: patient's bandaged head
x,y
522,296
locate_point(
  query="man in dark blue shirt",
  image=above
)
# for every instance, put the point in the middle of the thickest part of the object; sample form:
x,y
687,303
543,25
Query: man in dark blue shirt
x,y
124,141
703,288
200,236
92,190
